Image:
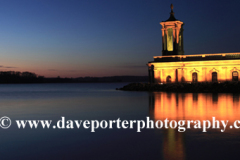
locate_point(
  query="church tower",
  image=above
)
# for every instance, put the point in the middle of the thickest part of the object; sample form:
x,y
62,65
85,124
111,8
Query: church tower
x,y
172,36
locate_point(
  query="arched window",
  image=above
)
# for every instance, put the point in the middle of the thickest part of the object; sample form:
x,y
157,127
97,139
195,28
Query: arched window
x,y
234,76
214,77
194,77
168,79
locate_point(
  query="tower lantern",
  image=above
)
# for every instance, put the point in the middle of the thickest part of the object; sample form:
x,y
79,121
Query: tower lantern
x,y
172,36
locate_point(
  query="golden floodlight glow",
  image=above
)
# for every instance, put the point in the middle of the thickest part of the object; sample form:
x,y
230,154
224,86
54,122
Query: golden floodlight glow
x,y
195,71
173,66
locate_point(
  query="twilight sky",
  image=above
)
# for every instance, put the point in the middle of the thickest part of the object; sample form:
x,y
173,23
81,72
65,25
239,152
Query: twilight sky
x,y
74,38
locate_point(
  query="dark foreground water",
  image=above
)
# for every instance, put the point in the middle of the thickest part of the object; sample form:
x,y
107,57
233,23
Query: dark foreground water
x,y
103,102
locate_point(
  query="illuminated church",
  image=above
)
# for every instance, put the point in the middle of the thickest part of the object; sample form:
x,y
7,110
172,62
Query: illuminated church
x,y
174,66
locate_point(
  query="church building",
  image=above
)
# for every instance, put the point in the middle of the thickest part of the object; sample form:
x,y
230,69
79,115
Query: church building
x,y
173,66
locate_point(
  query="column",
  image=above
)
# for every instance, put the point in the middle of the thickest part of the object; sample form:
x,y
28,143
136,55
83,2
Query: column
x,y
179,74
183,79
225,73
163,78
204,72
163,39
156,76
174,40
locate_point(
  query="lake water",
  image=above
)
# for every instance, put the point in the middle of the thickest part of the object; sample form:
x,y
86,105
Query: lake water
x,y
89,101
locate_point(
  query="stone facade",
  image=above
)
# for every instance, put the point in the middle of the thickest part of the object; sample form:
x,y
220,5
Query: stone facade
x,y
209,68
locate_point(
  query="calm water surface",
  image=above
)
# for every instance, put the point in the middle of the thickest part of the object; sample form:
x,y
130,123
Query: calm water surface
x,y
102,102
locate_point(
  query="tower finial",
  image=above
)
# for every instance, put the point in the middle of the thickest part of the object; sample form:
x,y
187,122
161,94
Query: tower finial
x,y
171,18
172,13
171,7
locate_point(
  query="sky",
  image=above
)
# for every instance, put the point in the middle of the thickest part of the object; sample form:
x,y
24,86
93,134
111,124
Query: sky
x,y
78,38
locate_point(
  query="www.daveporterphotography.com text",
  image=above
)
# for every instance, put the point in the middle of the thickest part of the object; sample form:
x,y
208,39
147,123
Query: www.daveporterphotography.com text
x,y
93,125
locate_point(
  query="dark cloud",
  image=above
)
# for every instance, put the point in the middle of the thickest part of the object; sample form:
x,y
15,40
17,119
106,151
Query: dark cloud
x,y
9,67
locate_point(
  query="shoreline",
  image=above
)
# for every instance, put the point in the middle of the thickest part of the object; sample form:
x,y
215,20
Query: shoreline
x,y
199,87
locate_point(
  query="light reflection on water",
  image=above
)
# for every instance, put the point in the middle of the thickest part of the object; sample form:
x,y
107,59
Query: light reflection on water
x,y
197,106
102,101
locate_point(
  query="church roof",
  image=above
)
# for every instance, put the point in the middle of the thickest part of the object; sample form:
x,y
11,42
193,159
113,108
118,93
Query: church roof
x,y
197,57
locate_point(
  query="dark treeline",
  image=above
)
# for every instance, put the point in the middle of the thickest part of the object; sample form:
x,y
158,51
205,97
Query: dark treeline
x,y
28,77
